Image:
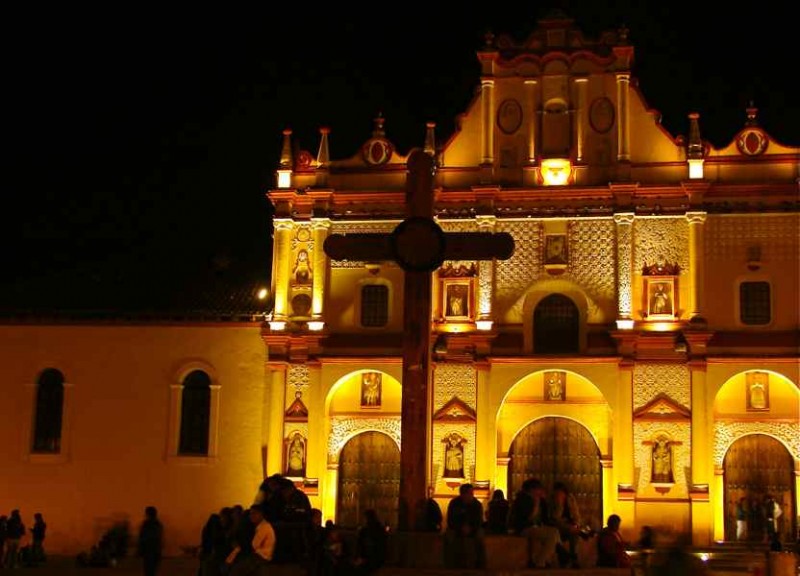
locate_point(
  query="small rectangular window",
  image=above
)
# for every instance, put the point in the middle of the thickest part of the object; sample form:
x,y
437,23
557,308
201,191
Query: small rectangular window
x,y
754,303
374,305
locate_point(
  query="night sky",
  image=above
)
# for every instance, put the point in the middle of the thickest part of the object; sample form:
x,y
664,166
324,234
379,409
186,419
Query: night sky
x,y
139,142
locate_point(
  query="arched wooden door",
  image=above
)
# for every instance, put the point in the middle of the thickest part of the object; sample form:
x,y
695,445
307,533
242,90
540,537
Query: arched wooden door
x,y
556,326
369,477
560,450
754,466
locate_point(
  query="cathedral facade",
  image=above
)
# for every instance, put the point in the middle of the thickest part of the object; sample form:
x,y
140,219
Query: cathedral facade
x,y
640,344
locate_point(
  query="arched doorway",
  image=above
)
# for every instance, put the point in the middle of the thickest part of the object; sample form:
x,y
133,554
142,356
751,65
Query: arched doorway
x,y
754,466
556,326
557,449
369,477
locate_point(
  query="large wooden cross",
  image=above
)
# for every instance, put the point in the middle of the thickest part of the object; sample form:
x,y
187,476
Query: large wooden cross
x,y
419,246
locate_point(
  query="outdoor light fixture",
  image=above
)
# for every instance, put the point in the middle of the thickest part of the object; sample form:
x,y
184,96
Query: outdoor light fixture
x,y
284,178
556,171
695,168
262,294
625,324
277,325
316,325
484,324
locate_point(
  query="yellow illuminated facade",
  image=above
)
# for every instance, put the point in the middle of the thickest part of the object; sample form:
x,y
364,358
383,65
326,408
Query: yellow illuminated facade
x,y
641,343
654,280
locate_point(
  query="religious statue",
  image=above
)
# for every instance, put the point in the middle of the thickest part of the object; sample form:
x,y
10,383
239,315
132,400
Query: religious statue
x,y
457,301
371,390
296,457
555,249
662,461
302,269
453,457
660,300
757,391
554,385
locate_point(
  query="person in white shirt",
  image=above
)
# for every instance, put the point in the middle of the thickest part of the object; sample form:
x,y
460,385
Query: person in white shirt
x,y
263,544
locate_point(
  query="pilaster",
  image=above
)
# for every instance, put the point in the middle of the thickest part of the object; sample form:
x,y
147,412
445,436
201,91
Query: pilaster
x,y
320,228
624,229
697,264
623,121
281,262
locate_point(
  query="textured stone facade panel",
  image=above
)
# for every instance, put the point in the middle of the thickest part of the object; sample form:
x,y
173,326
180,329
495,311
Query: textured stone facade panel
x,y
298,379
650,380
342,429
729,237
515,275
661,239
458,380
592,263
725,433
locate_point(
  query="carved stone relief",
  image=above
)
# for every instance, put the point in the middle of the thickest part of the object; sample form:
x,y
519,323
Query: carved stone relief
x,y
650,380
515,275
457,380
729,237
297,380
342,429
725,433
664,239
443,430
680,436
458,225
592,260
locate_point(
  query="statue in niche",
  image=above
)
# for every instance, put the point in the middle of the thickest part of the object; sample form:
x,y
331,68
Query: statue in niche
x,y
371,390
555,249
302,269
662,461
296,457
454,456
660,301
554,386
757,391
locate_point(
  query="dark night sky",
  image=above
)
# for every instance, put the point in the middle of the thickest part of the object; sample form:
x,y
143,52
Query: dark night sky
x,y
140,142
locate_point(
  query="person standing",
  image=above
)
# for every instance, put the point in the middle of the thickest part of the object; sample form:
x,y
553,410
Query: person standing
x,y
741,519
529,517
37,535
3,536
151,541
497,513
15,530
370,544
565,515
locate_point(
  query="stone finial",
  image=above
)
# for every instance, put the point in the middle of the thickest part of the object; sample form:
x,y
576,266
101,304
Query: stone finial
x,y
488,40
379,132
694,148
752,112
323,156
622,35
430,139
286,151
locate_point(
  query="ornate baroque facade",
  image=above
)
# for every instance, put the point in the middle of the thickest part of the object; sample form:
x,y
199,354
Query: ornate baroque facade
x,y
651,298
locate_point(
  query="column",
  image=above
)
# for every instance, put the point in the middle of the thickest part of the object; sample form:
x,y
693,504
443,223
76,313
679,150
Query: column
x,y
277,407
580,118
719,504
530,114
622,446
320,227
487,124
702,456
623,124
624,229
485,273
696,262
485,436
281,263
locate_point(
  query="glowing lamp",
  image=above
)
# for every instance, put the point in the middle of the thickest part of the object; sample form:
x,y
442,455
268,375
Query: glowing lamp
x,y
556,171
626,324
284,178
316,325
695,168
277,325
484,324
262,294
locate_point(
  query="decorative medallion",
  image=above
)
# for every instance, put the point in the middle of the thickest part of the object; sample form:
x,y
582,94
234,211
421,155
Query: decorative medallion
x,y
509,116
601,115
752,141
304,161
377,151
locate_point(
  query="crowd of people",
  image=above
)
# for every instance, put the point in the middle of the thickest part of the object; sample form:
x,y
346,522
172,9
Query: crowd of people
x,y
282,527
12,534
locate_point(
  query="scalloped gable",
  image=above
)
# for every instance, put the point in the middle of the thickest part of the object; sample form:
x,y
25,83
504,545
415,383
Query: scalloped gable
x,y
454,410
297,411
662,407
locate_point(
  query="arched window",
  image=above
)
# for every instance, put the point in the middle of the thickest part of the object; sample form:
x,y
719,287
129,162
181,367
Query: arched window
x,y
195,414
49,412
556,324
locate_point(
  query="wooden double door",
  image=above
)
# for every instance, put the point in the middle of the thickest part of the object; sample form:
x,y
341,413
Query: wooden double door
x,y
757,465
369,477
557,449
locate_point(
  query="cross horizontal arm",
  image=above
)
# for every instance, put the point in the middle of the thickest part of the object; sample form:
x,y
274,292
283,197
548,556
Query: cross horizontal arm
x,y
359,247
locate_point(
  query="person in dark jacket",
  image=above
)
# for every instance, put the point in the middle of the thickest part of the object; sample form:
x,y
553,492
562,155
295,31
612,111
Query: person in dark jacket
x,y
37,539
464,535
151,541
529,517
370,544
15,530
497,513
